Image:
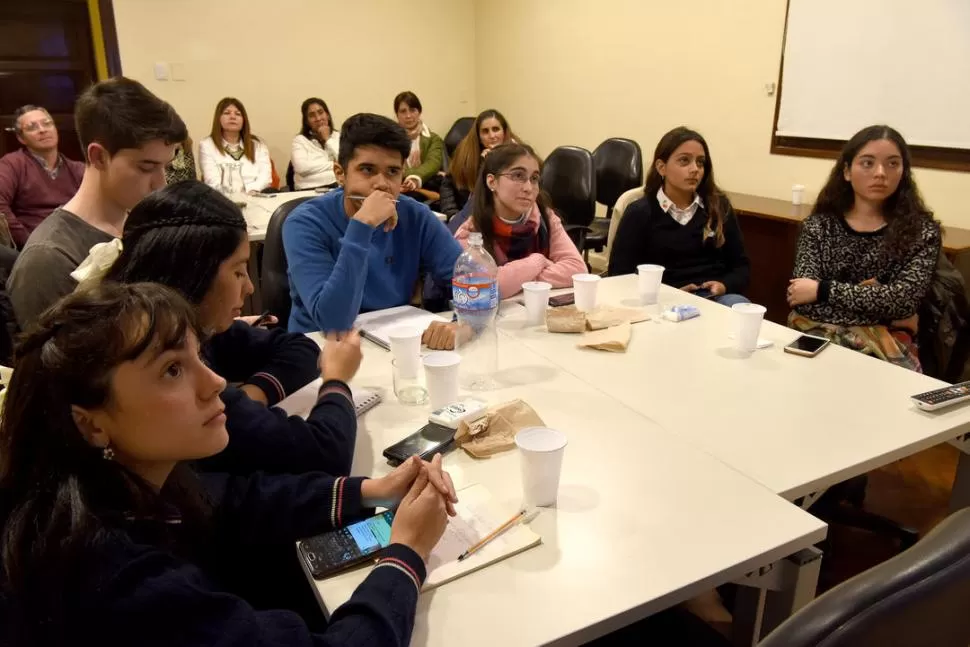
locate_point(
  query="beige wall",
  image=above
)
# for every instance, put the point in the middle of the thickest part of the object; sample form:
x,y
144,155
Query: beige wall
x,y
579,71
353,54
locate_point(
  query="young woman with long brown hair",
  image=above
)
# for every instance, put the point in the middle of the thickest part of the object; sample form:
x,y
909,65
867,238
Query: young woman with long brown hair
x,y
867,253
685,223
232,141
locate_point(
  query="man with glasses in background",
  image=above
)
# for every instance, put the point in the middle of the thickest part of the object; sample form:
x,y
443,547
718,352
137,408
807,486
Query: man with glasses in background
x,y
36,179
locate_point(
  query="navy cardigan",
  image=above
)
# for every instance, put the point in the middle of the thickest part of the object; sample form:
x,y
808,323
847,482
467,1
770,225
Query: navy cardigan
x,y
134,591
264,438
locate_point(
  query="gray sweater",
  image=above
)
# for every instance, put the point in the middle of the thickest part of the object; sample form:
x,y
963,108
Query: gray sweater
x,y
841,258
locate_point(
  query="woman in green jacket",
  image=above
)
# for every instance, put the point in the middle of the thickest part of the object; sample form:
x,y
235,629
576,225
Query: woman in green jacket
x,y
427,148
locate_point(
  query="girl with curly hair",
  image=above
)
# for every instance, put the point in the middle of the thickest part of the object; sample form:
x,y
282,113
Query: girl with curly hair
x,y
867,253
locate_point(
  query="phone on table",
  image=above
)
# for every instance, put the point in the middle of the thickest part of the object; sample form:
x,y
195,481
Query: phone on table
x,y
807,346
431,439
703,293
562,300
340,549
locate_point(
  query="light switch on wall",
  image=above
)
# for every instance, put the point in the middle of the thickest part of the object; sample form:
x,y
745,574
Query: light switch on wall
x,y
161,71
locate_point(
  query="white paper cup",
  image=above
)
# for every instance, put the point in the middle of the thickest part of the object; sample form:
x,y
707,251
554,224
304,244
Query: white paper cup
x,y
748,318
405,344
797,193
650,277
584,291
536,297
541,450
441,376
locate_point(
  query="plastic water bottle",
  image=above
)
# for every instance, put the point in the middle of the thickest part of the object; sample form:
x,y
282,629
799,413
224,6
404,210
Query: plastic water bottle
x,y
474,289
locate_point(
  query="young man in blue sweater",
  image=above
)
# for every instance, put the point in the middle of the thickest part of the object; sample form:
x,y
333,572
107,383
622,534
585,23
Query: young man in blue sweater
x,y
363,247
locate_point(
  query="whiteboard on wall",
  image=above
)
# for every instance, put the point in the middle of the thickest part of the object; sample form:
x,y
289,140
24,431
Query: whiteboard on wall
x,y
849,64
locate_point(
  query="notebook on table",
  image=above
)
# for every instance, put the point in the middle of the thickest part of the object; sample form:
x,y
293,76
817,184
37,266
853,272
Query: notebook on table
x,y
376,325
301,402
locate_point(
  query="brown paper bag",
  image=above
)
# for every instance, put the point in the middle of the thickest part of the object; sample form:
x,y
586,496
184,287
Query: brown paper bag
x,y
495,431
608,316
566,319
614,340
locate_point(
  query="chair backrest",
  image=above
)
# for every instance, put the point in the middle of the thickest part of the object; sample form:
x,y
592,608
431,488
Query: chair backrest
x,y
918,598
290,177
568,178
619,168
274,283
457,133
619,208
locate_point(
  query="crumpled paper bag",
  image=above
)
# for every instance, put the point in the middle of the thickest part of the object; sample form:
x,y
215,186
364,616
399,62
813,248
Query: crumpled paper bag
x,y
566,319
495,431
608,316
615,339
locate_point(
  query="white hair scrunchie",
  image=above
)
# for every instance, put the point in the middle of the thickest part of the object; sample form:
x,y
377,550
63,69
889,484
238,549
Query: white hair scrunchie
x,y
100,259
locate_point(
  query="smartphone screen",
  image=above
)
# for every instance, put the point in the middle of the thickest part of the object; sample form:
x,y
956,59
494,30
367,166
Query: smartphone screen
x,y
562,300
330,552
426,440
703,293
808,344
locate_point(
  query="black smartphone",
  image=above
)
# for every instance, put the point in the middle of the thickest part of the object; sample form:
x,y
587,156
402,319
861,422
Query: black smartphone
x,y
807,346
562,300
339,549
425,442
703,293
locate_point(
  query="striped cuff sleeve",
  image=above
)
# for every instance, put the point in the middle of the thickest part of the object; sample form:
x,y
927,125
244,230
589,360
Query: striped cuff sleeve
x,y
335,386
345,502
405,561
271,386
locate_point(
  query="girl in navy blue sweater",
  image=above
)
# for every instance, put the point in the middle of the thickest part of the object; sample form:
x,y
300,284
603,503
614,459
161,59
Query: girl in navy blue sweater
x,y
191,238
109,538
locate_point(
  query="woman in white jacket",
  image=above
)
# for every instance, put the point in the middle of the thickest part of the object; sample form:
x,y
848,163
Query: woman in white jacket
x,y
315,149
232,142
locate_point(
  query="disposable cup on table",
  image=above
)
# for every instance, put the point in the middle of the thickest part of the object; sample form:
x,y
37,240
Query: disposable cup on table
x,y
584,291
409,388
536,297
541,450
405,342
797,194
747,318
649,277
441,376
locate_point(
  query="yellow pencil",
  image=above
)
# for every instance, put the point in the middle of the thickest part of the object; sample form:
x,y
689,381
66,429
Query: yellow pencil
x,y
492,535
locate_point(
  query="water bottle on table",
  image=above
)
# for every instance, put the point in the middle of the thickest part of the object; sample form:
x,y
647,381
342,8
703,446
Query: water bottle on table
x,y
475,299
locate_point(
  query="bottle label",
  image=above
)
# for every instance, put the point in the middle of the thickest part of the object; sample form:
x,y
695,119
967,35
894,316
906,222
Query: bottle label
x,y
477,292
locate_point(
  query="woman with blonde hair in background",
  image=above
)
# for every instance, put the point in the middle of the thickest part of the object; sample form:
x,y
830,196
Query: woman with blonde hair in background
x,y
233,142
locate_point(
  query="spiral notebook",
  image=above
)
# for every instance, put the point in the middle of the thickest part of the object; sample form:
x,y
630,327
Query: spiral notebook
x,y
301,402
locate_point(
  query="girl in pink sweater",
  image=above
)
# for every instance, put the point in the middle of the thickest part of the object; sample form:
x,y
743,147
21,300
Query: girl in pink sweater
x,y
518,227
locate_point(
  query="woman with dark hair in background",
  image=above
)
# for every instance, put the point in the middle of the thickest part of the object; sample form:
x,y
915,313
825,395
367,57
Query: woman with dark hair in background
x,y
110,538
867,253
427,149
232,142
491,129
315,148
518,226
193,239
685,223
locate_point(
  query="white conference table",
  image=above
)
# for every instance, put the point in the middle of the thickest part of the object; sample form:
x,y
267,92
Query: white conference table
x,y
643,521
796,425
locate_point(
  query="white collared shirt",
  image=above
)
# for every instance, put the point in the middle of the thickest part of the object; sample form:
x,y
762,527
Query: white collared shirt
x,y
682,216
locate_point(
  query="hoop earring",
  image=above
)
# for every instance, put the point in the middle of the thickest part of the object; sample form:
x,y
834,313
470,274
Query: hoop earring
x,y
108,453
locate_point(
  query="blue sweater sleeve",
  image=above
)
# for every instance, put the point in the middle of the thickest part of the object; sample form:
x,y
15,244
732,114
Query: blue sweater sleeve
x,y
439,249
328,273
264,439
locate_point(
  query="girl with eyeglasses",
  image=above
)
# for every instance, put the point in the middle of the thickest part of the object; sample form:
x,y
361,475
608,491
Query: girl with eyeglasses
x,y
518,226
685,223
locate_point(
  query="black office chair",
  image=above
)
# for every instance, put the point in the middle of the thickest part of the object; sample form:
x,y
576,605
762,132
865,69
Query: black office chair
x,y
457,133
290,177
274,282
618,164
569,180
916,599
